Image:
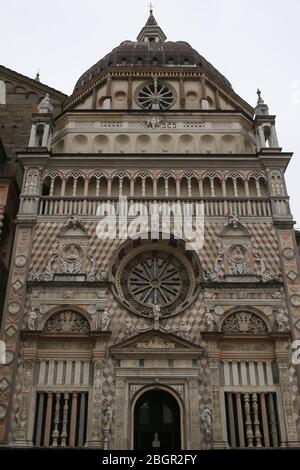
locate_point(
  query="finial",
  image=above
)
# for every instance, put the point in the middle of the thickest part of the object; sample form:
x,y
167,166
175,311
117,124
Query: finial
x,y
151,8
37,77
260,100
261,108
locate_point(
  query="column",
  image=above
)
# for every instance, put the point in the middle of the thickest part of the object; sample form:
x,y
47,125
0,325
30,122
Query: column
x,y
194,414
63,188
40,412
86,187
247,194
261,137
274,432
240,420
288,408
64,434
108,86
94,429
274,137
46,136
109,182
12,324
85,194
154,186
132,187
25,421
264,420
55,433
32,138
81,426
257,433
224,194
249,432
72,440
200,183
181,93
217,99
231,420
219,440
204,102
48,420
62,194
129,93
94,99
121,424
177,186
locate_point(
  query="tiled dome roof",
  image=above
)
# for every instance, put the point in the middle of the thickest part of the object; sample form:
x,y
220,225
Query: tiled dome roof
x,y
151,50
136,54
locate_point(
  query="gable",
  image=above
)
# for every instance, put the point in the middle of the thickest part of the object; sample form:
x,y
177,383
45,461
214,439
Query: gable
x,y
155,342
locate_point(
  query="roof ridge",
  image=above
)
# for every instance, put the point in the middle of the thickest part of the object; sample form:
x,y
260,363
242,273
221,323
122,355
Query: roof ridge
x,y
32,80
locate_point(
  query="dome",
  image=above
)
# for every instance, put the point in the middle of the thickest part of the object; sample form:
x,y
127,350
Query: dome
x,y
147,53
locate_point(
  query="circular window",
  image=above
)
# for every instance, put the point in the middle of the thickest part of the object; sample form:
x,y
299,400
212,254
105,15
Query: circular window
x,y
156,273
155,96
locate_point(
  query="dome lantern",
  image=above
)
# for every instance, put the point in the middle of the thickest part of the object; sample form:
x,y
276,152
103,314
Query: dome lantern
x,y
151,32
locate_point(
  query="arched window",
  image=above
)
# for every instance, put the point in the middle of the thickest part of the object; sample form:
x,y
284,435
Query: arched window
x,y
212,184
143,184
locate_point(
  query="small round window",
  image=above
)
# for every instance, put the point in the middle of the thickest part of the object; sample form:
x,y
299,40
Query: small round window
x,y
155,96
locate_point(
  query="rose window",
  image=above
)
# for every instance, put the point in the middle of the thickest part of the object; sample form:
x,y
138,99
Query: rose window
x,y
155,96
155,275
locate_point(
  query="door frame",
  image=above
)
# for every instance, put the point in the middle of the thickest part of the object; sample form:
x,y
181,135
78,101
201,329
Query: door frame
x,y
163,388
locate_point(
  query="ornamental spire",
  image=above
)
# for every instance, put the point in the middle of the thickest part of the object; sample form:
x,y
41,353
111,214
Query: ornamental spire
x,y
261,107
151,32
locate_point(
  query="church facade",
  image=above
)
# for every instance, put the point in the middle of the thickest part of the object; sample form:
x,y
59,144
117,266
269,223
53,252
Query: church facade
x,y
120,333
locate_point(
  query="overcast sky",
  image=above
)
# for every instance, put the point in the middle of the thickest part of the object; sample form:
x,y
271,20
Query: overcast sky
x,y
254,43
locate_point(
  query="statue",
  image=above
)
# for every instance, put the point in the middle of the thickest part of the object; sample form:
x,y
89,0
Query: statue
x,y
71,253
234,220
280,320
129,329
209,321
91,272
185,328
45,105
107,418
156,311
105,320
237,254
207,421
102,274
32,319
73,221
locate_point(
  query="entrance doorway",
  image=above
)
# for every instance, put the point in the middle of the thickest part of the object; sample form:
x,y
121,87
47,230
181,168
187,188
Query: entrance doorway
x,y
157,422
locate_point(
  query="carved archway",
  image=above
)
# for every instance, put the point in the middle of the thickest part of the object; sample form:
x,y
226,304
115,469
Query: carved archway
x,y
157,396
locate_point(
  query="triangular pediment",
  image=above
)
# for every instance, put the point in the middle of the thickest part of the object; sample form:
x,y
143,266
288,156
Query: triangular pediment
x,y
235,231
155,341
